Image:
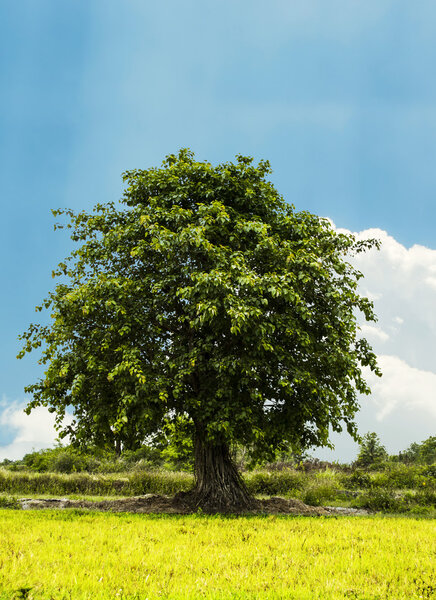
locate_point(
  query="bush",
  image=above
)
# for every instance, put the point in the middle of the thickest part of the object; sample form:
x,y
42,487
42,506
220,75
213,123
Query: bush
x,y
320,494
420,510
427,450
94,460
394,475
402,476
56,460
386,500
430,472
273,483
380,499
357,479
426,498
9,502
145,455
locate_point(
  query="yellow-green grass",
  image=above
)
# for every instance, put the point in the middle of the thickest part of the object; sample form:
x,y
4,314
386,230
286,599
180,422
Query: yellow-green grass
x,y
78,555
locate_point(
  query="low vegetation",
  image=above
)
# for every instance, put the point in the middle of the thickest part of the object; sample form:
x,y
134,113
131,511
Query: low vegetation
x,y
400,484
399,489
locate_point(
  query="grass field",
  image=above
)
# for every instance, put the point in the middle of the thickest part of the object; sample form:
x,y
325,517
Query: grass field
x,y
78,555
400,489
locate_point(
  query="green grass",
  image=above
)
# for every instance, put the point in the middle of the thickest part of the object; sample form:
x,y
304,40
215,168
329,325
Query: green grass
x,y
376,491
119,484
80,555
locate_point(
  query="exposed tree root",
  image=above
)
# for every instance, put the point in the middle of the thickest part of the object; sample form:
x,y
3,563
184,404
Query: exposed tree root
x,y
219,488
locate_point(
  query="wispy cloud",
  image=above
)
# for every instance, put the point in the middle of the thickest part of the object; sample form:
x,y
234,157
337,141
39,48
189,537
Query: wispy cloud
x,y
34,431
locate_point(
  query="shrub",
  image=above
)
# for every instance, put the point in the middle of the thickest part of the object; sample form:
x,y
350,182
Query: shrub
x,y
420,510
56,460
357,479
426,498
273,483
380,499
427,451
9,502
328,476
430,472
94,460
402,476
385,499
319,494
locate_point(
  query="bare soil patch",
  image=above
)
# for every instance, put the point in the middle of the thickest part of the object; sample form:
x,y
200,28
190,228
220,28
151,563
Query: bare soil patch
x,y
151,503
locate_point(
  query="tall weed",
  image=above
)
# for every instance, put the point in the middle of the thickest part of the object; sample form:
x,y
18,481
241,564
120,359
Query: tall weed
x,y
128,484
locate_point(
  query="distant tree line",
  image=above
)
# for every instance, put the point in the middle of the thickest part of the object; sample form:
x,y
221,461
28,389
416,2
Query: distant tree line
x,y
373,453
176,454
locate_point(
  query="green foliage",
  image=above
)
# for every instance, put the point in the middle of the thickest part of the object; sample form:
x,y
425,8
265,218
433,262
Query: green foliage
x,y
9,502
396,476
357,479
274,483
425,497
372,452
380,499
176,444
58,460
423,453
320,494
427,451
386,499
323,487
145,457
204,298
174,453
411,455
429,471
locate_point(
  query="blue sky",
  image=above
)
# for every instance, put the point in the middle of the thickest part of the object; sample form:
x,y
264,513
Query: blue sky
x,y
340,96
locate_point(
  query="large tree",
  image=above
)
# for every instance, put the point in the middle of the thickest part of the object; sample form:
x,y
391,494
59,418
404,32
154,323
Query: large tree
x,y
205,301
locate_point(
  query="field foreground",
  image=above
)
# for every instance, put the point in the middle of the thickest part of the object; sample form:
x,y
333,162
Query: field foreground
x,y
76,554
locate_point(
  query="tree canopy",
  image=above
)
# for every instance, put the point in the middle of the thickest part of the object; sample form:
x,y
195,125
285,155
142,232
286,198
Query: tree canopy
x,y
371,451
204,301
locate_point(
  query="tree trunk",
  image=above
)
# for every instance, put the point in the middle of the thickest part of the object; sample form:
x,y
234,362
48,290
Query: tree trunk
x,y
218,485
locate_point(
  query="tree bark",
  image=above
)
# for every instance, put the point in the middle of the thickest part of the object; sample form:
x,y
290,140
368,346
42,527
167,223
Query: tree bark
x,y
218,484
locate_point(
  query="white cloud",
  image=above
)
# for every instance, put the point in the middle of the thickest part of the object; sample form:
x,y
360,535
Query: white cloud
x,y
402,407
370,332
401,410
31,432
404,389
401,283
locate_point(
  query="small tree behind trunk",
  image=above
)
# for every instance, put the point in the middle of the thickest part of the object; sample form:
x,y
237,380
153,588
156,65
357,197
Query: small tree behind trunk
x,y
218,485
